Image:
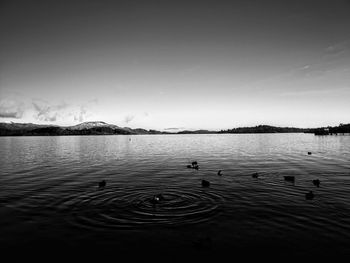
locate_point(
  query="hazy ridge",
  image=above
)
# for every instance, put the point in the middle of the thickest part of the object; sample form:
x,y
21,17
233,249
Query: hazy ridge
x,y
102,128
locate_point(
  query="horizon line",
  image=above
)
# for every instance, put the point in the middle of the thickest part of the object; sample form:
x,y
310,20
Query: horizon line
x,y
172,128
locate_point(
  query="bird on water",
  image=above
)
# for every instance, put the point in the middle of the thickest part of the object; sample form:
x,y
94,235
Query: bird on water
x,y
193,165
220,172
316,182
309,196
157,199
205,183
289,178
102,184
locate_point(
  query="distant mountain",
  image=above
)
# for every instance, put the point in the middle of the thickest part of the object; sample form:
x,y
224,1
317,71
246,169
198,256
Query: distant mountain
x,y
8,129
264,129
196,132
102,128
98,127
341,129
85,128
91,124
22,126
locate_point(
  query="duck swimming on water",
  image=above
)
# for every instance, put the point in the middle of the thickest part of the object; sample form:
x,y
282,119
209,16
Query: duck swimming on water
x,y
309,196
102,184
220,172
255,175
289,178
194,165
160,197
157,199
205,183
316,182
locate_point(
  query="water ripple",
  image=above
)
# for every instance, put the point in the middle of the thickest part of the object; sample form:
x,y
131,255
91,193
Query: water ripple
x,y
55,178
130,207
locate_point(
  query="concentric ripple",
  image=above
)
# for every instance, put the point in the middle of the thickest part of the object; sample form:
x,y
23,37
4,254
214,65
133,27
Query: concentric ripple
x,y
120,207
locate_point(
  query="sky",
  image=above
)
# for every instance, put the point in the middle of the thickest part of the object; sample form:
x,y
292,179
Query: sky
x,y
174,65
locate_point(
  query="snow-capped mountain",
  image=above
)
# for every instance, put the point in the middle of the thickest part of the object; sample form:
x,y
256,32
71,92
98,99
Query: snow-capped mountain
x,y
92,124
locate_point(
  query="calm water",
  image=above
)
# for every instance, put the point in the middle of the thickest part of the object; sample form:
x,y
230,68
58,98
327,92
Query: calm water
x,y
49,195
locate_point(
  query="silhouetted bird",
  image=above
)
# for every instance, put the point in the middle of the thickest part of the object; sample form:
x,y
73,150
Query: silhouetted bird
x,y
289,178
196,167
255,175
154,200
220,172
160,197
102,184
316,182
309,153
205,183
189,166
157,199
194,163
309,196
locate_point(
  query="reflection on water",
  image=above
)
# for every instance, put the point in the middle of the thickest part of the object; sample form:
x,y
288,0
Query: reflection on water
x,y
49,192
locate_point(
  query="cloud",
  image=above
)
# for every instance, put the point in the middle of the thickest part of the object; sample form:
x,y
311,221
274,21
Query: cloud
x,y
11,108
15,105
316,92
46,112
128,118
334,58
82,113
80,116
307,71
174,129
337,49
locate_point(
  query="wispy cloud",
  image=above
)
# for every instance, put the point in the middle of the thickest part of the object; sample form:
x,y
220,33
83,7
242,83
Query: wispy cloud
x,y
80,116
174,129
337,49
315,92
11,108
45,111
128,118
331,59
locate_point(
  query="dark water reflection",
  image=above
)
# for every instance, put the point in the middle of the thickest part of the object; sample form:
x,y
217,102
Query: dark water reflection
x,y
49,193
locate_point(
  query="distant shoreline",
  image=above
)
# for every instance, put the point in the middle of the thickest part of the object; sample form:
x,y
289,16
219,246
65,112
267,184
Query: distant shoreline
x,y
102,128
167,134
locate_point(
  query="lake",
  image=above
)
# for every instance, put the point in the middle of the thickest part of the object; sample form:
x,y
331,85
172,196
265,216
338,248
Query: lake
x,y
50,199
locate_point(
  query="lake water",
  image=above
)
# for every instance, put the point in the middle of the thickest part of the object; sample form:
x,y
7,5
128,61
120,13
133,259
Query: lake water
x,y
50,199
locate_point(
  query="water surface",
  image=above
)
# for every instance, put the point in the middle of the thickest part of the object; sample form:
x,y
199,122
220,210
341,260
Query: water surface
x,y
49,195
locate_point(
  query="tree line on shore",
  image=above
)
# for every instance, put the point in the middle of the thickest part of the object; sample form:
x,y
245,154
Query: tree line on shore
x,y
28,129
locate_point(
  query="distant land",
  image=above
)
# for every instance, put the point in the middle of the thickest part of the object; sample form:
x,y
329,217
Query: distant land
x,y
85,128
102,128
